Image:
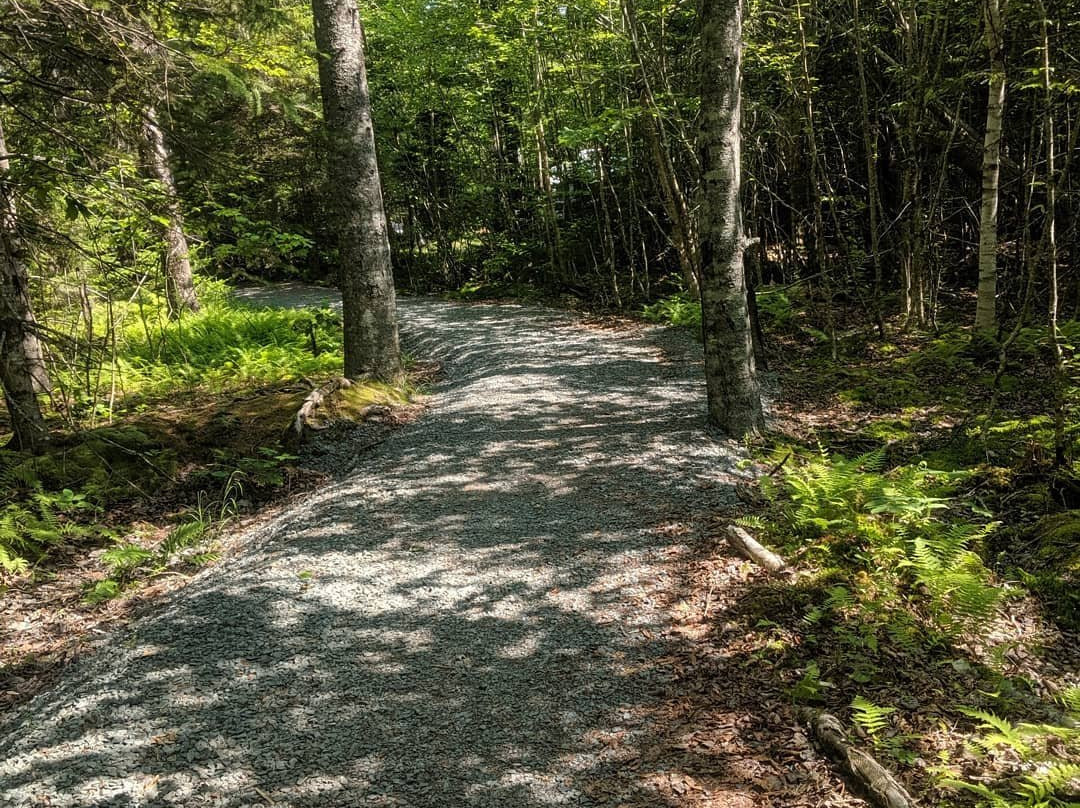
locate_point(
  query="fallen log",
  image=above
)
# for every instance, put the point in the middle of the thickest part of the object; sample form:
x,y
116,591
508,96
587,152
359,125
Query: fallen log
x,y
749,547
876,782
302,424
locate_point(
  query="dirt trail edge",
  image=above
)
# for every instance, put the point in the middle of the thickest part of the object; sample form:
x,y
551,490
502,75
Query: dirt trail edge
x,y
478,615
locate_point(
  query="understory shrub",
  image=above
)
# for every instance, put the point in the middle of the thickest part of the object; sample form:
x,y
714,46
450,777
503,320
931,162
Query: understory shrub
x,y
901,565
679,310
895,537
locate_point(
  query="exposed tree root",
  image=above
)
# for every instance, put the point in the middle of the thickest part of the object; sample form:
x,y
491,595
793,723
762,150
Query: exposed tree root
x,y
301,427
874,780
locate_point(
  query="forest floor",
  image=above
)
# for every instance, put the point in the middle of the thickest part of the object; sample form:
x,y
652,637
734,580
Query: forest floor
x,y
518,599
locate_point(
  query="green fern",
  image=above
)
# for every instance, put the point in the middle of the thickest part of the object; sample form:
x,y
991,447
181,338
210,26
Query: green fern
x,y
871,717
996,732
1055,781
839,598
991,798
182,537
904,632
1070,700
1053,787
1041,788
753,523
123,559
809,687
10,562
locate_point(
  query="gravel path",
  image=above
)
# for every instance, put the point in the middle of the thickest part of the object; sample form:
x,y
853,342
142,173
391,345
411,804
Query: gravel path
x,y
467,619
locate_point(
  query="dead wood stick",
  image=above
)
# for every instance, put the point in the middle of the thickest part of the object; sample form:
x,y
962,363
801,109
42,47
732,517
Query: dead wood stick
x,y
748,546
873,779
300,426
778,466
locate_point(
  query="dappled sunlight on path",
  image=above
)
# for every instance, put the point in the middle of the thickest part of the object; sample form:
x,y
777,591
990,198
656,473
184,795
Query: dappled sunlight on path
x,y
467,619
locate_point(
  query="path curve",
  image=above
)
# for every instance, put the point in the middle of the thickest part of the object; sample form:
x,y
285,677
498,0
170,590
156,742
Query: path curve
x,y
467,619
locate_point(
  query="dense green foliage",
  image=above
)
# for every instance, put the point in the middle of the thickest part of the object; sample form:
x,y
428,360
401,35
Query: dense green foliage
x,y
897,578
545,150
225,349
909,574
544,142
140,353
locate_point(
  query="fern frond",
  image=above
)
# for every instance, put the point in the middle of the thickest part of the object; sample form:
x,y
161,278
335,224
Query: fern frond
x,y
1070,699
12,563
871,717
997,732
1041,787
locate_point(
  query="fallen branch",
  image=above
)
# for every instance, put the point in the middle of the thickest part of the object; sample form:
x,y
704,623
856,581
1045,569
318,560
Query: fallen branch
x,y
873,779
772,472
301,426
748,546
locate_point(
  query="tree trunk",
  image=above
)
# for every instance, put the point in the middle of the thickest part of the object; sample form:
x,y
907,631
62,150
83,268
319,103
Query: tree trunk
x,y
870,147
22,370
912,223
684,235
179,284
730,373
367,281
552,231
1060,376
985,311
752,267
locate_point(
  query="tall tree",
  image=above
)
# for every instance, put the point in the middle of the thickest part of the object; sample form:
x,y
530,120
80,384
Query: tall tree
x,y
22,371
179,283
730,373
870,149
367,282
986,304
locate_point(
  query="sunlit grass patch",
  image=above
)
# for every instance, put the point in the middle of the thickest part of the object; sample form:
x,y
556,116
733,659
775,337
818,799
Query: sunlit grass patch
x,y
227,346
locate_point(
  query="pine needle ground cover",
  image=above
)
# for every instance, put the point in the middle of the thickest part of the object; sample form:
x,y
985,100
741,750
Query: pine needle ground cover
x,y
173,431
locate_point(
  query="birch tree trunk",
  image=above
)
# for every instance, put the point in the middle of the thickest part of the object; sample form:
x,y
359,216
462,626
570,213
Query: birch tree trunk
x,y
985,310
366,277
730,373
22,370
1060,376
179,284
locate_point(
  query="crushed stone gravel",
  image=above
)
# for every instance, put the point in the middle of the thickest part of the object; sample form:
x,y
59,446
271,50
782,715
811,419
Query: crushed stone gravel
x,y
455,622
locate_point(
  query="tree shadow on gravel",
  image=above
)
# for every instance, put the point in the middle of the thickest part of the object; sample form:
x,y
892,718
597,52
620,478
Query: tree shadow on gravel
x,y
330,706
479,616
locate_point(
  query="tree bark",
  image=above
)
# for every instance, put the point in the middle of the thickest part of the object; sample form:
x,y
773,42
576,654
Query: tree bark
x,y
1060,376
985,310
751,548
366,277
916,47
684,235
873,779
870,147
730,373
179,284
22,370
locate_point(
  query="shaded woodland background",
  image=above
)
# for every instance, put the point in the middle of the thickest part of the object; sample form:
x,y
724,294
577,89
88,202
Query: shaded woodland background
x,y
925,469
548,144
